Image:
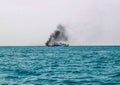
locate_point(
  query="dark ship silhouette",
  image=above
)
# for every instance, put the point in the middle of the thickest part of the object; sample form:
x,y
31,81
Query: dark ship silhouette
x,y
58,38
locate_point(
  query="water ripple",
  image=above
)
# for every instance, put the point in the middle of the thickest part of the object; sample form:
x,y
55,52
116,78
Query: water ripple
x,y
75,65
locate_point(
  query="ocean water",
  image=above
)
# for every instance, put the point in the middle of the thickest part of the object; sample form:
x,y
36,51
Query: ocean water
x,y
74,65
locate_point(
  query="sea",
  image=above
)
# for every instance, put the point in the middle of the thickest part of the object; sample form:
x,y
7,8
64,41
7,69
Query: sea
x,y
73,65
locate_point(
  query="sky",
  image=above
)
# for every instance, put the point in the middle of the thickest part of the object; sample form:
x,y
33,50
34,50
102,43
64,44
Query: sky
x,y
88,22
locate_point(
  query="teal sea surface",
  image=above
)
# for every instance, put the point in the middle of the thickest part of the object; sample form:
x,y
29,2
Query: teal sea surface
x,y
73,65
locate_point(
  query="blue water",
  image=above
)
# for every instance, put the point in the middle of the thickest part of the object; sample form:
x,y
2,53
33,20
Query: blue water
x,y
79,65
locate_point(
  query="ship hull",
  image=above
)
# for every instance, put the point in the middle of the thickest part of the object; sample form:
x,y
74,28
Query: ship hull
x,y
59,45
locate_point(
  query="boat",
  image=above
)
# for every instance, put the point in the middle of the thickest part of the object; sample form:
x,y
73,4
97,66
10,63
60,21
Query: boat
x,y
58,38
57,44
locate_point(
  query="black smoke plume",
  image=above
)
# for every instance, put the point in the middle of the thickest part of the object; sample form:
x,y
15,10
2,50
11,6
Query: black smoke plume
x,y
59,35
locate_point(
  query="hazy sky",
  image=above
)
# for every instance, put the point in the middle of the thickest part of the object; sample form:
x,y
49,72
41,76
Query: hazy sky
x,y
89,22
